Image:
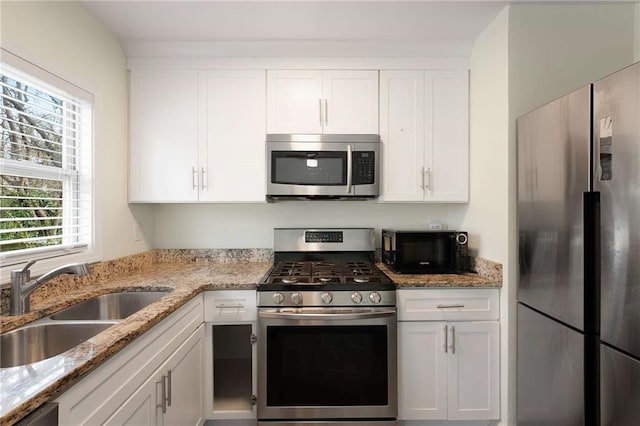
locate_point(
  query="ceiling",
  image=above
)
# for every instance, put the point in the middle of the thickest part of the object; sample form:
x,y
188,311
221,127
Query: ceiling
x,y
442,28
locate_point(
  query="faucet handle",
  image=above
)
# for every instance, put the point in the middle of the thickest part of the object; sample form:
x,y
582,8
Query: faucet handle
x,y
27,266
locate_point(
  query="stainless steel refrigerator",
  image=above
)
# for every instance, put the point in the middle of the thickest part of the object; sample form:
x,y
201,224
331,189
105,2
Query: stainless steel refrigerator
x,y
578,346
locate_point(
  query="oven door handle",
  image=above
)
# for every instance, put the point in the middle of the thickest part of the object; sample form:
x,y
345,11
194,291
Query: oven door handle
x,y
333,317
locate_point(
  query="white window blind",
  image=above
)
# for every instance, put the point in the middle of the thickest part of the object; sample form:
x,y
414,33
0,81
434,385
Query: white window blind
x,y
45,167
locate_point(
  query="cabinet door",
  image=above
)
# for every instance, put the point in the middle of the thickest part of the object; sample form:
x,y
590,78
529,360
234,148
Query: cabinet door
x,y
163,136
294,101
447,136
185,382
422,371
232,136
350,101
402,134
144,407
232,364
474,371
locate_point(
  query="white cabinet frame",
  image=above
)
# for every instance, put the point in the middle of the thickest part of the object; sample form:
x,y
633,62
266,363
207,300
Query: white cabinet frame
x,y
449,354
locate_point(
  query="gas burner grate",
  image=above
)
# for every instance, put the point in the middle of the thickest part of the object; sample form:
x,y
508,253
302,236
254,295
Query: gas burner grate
x,y
318,273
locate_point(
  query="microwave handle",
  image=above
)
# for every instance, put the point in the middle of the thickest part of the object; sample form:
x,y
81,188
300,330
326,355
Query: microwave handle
x,y
349,168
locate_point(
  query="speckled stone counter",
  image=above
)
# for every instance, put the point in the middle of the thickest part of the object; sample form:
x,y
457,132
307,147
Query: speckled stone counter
x,y
486,274
183,274
24,388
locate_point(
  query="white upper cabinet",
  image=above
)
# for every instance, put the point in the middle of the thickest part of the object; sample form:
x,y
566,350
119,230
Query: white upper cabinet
x,y
197,136
232,136
301,101
163,143
424,130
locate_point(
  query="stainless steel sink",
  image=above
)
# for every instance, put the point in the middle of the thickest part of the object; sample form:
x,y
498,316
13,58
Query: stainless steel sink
x,y
36,342
114,306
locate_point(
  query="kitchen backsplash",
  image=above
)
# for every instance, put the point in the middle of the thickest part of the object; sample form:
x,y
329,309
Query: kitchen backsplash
x,y
103,271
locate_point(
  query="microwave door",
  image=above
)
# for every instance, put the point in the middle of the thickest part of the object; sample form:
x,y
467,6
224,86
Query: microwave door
x,y
308,172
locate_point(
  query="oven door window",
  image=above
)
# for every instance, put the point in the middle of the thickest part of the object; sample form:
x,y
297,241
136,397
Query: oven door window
x,y
327,365
309,167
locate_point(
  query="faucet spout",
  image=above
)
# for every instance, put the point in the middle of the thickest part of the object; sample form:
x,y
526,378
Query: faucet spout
x,y
21,288
78,269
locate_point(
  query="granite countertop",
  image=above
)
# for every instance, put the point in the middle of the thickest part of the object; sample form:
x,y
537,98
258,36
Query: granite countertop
x,y
183,274
466,280
24,388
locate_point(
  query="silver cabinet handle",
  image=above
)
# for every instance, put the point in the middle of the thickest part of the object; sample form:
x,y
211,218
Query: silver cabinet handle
x,y
169,388
428,185
204,177
236,306
453,340
326,112
163,395
446,339
320,109
449,306
349,168
194,177
422,175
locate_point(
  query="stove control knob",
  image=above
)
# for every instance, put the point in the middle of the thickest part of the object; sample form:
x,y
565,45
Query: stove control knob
x,y
278,298
296,298
326,298
375,297
356,297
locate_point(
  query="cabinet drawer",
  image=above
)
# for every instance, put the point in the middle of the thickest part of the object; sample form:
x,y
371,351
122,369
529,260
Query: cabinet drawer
x,y
230,305
448,305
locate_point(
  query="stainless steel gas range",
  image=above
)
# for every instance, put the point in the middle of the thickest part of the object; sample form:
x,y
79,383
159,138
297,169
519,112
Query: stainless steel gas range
x,y
326,332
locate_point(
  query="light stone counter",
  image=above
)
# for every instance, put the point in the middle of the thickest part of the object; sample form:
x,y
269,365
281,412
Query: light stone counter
x,y
183,274
24,388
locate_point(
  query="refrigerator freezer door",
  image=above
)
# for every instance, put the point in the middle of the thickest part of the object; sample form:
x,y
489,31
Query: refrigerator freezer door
x,y
549,367
553,174
620,388
617,177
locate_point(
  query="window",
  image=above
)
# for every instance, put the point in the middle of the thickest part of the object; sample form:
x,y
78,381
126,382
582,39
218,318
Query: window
x,y
45,165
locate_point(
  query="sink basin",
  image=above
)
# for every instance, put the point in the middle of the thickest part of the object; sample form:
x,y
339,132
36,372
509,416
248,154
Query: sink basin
x,y
114,306
34,343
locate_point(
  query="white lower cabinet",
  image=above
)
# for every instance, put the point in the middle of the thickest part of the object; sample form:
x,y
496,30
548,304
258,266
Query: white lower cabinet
x,y
129,387
230,362
172,395
448,370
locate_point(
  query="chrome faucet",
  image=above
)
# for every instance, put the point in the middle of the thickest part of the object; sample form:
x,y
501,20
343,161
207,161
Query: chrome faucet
x,y
21,288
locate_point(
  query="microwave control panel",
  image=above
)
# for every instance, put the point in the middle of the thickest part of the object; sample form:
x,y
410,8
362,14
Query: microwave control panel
x,y
364,168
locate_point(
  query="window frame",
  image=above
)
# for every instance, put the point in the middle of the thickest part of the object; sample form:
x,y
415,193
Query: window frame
x,y
52,256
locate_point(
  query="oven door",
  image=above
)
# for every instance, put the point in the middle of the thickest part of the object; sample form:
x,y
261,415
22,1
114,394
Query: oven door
x,y
327,363
303,169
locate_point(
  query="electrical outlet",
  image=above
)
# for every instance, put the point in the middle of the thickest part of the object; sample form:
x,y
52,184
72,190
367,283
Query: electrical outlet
x,y
137,231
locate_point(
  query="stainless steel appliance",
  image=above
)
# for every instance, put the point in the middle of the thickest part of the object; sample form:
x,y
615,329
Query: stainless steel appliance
x,y
425,252
578,345
317,166
326,331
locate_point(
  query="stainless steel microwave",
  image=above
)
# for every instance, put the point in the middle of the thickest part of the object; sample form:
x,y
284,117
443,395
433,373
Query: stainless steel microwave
x,y
425,252
317,166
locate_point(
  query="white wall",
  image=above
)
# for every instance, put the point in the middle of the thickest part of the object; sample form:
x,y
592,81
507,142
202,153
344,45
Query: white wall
x,y
65,39
487,213
251,225
555,49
